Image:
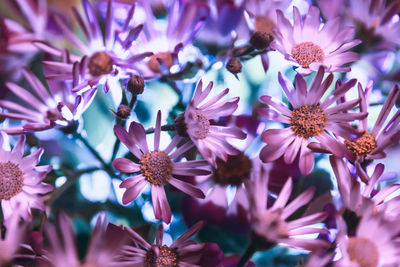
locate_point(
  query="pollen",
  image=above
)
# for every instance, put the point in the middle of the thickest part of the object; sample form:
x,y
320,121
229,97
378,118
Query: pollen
x,y
308,121
234,171
161,256
202,128
166,58
100,63
11,180
363,251
156,167
363,145
306,53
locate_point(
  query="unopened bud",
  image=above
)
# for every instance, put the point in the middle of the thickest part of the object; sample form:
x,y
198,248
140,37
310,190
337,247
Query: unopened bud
x,y
136,85
234,65
260,40
123,111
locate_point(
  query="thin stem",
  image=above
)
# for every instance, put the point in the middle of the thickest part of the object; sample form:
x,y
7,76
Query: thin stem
x,y
246,256
168,127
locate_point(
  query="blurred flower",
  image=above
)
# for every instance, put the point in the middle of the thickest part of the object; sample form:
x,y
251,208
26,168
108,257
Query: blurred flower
x,y
271,224
182,252
311,117
369,145
105,242
210,140
45,109
308,47
21,186
374,243
156,167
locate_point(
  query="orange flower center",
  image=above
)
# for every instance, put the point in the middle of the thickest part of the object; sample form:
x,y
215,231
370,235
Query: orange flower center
x,y
99,64
156,167
363,145
363,251
308,121
161,256
234,171
306,53
11,180
166,58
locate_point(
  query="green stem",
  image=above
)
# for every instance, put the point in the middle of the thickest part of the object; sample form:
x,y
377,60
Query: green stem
x,y
246,256
168,127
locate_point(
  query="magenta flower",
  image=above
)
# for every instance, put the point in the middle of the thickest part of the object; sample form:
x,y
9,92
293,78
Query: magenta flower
x,y
104,244
195,122
182,252
272,225
21,186
43,109
311,117
308,46
156,167
369,145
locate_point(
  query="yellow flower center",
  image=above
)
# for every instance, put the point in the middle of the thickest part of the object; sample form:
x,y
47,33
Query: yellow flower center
x,y
306,53
11,180
308,121
156,167
363,145
363,251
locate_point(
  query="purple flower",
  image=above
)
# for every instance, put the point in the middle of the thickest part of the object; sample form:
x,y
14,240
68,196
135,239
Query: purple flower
x,y
311,117
195,122
156,167
309,47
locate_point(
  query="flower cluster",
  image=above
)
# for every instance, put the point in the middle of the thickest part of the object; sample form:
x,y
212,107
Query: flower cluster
x,y
292,155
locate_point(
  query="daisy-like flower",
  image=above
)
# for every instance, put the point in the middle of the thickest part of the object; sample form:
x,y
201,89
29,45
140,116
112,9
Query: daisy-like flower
x,y
181,253
308,46
104,58
373,244
357,198
311,117
210,140
21,180
104,244
157,167
43,109
271,224
370,145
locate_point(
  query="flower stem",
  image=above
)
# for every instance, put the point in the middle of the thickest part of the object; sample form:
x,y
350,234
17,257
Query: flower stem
x,y
246,256
168,127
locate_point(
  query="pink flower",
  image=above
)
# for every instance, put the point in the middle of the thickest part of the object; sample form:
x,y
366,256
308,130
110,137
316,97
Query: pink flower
x,y
43,109
21,180
182,252
210,140
104,244
308,47
156,167
271,224
311,117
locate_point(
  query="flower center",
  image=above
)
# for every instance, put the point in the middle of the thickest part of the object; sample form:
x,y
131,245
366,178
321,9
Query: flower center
x,y
308,121
11,180
363,251
202,125
99,64
234,171
363,145
156,167
306,53
180,125
161,256
166,58
265,24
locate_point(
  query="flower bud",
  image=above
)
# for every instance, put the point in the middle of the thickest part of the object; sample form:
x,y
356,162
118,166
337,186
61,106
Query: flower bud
x,y
136,85
260,40
234,66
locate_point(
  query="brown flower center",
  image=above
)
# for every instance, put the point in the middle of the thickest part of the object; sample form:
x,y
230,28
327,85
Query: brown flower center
x,y
203,125
306,53
156,167
363,145
308,121
180,125
100,63
363,251
161,256
265,24
166,58
234,171
11,180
